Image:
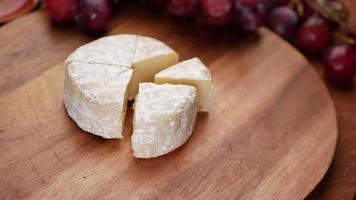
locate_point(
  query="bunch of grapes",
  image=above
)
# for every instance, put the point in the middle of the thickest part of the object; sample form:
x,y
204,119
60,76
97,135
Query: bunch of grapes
x,y
91,15
316,27
319,28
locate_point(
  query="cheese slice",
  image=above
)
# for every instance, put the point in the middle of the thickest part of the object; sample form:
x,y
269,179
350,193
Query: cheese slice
x,y
190,72
164,118
95,96
100,75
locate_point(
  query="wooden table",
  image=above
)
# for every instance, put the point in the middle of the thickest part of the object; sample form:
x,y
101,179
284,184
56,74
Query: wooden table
x,y
340,181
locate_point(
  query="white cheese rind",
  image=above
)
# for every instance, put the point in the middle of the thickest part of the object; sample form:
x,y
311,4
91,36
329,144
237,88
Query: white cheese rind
x,y
147,48
190,72
164,118
189,69
111,50
95,97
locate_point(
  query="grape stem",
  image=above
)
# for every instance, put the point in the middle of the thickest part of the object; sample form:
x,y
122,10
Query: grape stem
x,y
339,16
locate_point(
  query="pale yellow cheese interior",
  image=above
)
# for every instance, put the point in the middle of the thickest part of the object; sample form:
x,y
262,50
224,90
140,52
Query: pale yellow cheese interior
x,y
190,72
145,70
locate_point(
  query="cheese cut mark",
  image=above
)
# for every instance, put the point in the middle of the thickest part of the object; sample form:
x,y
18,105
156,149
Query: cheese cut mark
x,y
164,118
96,99
190,72
151,56
102,74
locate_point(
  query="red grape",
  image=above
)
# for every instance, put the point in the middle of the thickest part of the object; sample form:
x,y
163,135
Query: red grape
x,y
271,4
94,15
62,11
217,12
340,64
283,20
313,35
184,8
251,14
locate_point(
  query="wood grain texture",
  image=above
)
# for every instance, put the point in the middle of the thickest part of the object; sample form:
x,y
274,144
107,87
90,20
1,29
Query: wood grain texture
x,y
270,135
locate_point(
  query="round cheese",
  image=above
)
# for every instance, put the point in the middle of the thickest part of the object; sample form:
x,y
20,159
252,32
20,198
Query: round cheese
x,y
101,75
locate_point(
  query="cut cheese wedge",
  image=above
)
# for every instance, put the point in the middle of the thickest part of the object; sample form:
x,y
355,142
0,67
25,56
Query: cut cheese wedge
x,y
190,72
164,118
95,96
103,74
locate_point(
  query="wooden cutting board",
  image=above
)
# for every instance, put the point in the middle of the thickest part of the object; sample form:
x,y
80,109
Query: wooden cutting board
x,y
270,135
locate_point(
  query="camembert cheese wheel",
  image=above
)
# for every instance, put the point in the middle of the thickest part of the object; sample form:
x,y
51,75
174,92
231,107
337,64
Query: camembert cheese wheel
x,y
100,76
